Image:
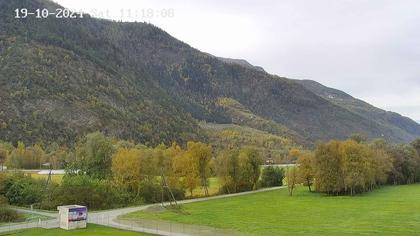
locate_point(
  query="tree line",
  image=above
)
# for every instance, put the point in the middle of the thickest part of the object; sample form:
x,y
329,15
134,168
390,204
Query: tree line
x,y
102,172
355,166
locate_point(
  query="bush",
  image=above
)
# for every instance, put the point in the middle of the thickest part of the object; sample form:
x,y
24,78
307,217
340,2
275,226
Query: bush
x,y
3,200
22,190
151,192
272,176
87,191
8,215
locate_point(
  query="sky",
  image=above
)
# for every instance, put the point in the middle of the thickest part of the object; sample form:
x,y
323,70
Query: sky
x,y
367,48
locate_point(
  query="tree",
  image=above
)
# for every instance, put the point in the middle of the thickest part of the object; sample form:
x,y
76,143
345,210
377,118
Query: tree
x,y
292,179
3,157
382,162
91,192
5,150
200,153
94,156
406,164
349,167
250,162
16,158
305,169
33,157
272,176
170,155
356,167
416,145
228,169
328,168
293,155
26,157
126,168
186,170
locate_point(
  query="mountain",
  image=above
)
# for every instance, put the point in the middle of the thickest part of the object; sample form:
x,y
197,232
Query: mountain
x,y
62,78
399,125
241,62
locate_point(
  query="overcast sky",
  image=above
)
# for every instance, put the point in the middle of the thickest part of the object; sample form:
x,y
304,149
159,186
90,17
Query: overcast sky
x,y
369,48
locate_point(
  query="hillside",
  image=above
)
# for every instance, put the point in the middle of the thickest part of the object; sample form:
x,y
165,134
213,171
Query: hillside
x,y
223,136
400,126
64,78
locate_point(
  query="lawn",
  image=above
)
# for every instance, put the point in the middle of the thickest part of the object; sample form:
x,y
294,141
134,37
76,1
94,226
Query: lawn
x,y
91,230
214,187
54,178
391,210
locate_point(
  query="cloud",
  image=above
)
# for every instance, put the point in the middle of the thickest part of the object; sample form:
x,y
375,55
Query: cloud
x,y
369,49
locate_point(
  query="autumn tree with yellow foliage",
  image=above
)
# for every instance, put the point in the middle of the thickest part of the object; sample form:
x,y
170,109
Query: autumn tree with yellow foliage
x,y
126,168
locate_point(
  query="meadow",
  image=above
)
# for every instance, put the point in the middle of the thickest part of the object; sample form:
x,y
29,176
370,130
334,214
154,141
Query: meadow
x,y
391,210
54,178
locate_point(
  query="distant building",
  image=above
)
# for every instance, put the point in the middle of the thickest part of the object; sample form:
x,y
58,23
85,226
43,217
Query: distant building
x,y
269,161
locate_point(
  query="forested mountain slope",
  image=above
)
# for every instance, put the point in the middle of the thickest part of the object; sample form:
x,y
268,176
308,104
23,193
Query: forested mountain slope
x,y
62,78
400,125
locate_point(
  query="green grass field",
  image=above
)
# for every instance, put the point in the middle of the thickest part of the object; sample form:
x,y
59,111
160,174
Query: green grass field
x,y
391,210
54,178
91,230
214,186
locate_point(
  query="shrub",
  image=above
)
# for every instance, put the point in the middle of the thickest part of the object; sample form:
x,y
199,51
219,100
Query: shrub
x,y
272,176
151,192
3,200
22,190
84,190
8,215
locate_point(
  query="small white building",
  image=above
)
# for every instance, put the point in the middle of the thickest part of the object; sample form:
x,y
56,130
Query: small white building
x,y
72,216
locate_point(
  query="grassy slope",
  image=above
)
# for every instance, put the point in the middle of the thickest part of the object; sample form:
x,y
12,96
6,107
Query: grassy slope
x,y
92,230
393,210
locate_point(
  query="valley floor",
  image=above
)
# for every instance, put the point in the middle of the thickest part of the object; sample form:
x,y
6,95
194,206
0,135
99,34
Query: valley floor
x,y
391,210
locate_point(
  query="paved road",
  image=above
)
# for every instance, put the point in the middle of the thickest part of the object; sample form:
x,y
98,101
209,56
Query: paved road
x,y
109,217
42,213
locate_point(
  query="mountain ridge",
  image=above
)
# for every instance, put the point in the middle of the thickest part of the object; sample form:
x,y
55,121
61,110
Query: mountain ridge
x,y
135,81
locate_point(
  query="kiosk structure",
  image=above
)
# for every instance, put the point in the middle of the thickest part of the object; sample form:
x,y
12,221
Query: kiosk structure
x,y
72,216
